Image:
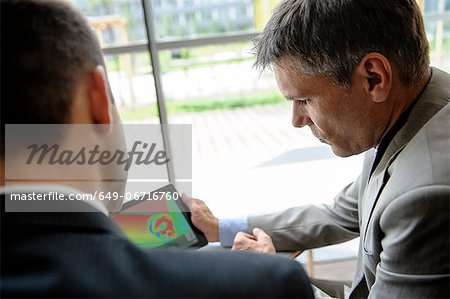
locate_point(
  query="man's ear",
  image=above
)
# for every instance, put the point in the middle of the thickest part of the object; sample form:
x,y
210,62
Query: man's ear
x,y
100,102
376,71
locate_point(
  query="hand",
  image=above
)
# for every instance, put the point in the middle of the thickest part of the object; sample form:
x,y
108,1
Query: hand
x,y
258,242
202,218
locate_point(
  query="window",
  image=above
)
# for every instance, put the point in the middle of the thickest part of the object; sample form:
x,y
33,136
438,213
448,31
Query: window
x,y
204,18
437,23
116,23
131,79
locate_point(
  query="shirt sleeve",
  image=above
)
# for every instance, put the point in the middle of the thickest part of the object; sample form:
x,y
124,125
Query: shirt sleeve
x,y
228,228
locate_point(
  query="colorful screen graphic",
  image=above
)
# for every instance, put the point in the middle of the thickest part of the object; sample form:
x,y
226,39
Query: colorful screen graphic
x,y
147,229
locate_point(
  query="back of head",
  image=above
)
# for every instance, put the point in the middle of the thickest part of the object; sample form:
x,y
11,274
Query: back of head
x,y
330,37
46,47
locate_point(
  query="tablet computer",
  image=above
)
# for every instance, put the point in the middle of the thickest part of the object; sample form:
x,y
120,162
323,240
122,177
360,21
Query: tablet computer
x,y
159,219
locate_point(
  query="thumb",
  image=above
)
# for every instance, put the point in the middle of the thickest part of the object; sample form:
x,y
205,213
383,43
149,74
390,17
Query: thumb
x,y
186,199
259,233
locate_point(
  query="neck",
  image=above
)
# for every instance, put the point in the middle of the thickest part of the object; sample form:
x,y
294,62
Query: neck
x,y
403,98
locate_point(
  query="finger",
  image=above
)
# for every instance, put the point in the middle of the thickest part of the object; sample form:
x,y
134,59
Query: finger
x,y
187,200
244,235
265,241
240,239
260,234
241,243
249,236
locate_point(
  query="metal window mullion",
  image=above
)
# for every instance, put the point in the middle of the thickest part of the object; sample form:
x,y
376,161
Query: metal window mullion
x,y
136,48
204,41
182,43
154,57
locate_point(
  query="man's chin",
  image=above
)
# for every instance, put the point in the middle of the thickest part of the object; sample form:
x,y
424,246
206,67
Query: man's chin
x,y
340,152
344,153
323,140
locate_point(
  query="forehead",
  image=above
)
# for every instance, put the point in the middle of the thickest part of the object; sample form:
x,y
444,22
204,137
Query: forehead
x,y
294,83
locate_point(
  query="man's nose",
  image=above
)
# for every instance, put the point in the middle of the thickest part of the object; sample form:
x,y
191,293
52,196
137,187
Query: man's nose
x,y
299,116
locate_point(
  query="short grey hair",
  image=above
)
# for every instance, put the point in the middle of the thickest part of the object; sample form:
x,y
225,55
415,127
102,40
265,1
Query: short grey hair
x,y
330,37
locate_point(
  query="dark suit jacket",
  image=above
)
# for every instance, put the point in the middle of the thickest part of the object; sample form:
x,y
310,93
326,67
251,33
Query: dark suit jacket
x,y
85,254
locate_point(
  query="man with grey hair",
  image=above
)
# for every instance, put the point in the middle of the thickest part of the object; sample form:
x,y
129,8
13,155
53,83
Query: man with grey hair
x,y
357,73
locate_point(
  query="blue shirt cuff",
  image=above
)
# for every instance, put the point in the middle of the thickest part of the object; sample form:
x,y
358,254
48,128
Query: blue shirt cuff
x,y
228,228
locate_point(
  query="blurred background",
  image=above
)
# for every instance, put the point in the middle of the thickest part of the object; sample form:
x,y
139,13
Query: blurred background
x,y
190,62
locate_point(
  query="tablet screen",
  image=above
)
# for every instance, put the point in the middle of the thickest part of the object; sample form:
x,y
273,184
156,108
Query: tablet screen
x,y
159,223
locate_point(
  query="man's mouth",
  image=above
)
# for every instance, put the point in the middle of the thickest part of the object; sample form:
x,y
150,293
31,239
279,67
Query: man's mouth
x,y
323,140
316,134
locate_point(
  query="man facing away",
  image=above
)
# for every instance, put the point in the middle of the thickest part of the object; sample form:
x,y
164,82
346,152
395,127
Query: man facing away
x,y
53,73
357,73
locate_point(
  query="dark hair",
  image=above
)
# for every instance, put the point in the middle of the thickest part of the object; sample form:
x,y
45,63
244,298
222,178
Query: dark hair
x,y
330,37
45,48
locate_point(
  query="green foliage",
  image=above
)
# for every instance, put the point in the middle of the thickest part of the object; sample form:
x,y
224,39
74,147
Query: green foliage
x,y
195,106
93,4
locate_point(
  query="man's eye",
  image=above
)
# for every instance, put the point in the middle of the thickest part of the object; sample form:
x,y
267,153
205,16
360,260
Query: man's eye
x,y
303,102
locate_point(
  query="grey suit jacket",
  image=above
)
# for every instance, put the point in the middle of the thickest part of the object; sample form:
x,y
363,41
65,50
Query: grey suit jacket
x,y
401,213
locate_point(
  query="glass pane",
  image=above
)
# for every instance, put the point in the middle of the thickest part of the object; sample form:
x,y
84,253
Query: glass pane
x,y
180,19
121,23
131,79
431,6
206,77
438,34
116,23
247,157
